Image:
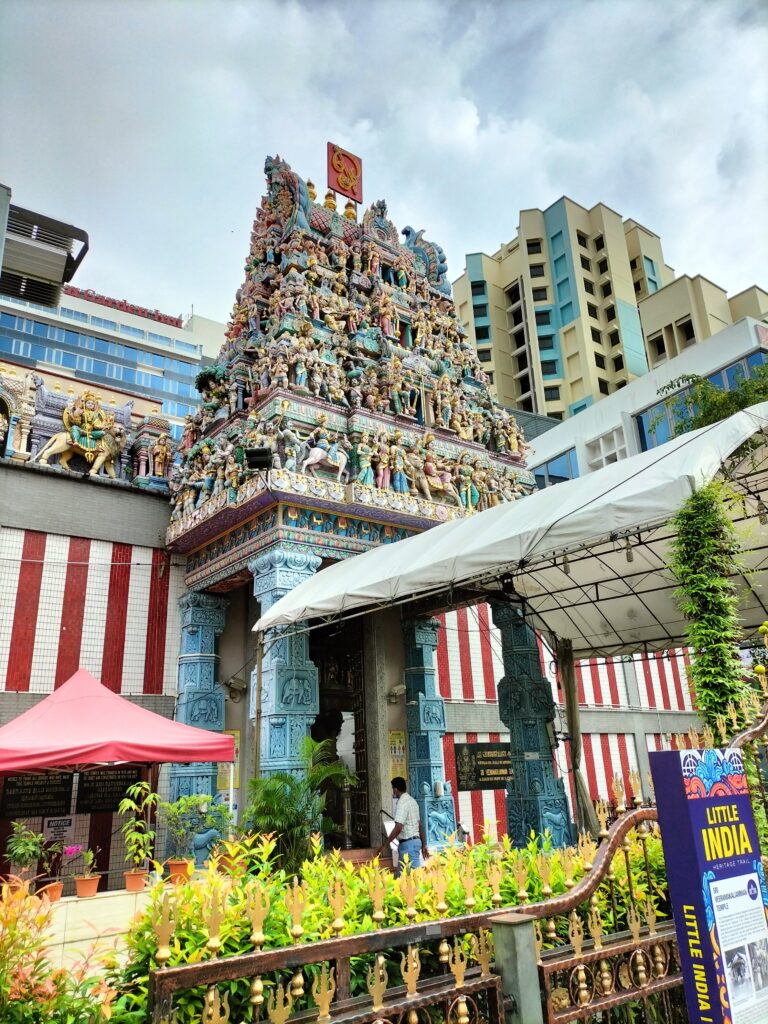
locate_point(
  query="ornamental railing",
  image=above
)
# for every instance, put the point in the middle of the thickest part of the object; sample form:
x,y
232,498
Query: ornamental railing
x,y
602,950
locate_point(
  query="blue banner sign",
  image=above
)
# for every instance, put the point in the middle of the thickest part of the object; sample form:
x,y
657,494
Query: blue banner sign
x,y
716,883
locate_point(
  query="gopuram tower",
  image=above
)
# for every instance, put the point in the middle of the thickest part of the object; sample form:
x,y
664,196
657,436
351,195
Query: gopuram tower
x,y
345,361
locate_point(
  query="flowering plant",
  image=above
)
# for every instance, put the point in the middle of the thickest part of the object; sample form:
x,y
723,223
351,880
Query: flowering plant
x,y
89,857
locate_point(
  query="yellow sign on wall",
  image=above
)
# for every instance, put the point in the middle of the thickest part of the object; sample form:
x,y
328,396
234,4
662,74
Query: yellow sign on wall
x,y
222,779
398,758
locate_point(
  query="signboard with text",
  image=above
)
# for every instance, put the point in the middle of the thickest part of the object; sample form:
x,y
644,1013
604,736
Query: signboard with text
x,y
716,882
482,765
345,173
103,790
30,796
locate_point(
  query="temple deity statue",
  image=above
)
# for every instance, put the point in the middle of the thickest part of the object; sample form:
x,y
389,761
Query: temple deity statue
x,y
468,493
161,456
364,460
397,464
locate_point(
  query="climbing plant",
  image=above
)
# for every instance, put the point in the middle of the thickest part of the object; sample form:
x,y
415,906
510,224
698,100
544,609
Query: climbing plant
x,y
705,558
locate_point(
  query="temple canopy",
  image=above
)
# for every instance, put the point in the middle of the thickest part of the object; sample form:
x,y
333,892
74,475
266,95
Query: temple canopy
x,y
587,560
83,724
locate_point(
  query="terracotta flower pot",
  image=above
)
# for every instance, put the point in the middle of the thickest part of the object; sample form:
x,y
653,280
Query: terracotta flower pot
x,y
135,881
52,890
230,865
178,871
86,885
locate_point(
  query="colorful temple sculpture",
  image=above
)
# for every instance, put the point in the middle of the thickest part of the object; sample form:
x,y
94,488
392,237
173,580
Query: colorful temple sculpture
x,y
347,376
80,433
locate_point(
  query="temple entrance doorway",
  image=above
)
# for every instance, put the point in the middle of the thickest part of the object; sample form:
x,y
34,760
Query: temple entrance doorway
x,y
337,651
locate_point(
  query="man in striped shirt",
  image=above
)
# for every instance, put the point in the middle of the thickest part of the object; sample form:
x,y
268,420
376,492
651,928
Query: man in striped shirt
x,y
408,830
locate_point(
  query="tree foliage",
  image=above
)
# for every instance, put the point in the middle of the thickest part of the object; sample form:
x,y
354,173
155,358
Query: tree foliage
x,y
697,402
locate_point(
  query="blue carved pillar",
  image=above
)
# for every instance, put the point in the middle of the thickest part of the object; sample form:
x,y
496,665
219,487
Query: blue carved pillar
x,y
290,696
535,796
425,721
201,699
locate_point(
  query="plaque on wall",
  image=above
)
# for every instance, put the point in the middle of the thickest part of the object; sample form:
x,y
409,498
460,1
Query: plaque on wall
x,y
482,765
103,790
34,796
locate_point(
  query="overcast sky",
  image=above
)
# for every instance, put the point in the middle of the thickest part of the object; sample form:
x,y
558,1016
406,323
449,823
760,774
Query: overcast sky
x,y
147,124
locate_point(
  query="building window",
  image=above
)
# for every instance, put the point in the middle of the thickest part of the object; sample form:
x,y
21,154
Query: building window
x,y
539,294
585,263
603,386
638,287
482,333
614,337
592,310
478,287
686,329
543,317
480,310
490,378
581,238
546,341
513,294
610,313
552,394
549,367
602,266
599,243
534,245
619,384
607,289
633,263
522,362
658,344
618,363
589,287
537,270
597,336
485,356
599,361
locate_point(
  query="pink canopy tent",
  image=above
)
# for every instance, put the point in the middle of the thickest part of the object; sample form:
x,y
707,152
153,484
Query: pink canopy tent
x,y
82,724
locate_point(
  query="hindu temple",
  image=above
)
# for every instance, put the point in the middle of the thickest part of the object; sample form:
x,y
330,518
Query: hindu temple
x,y
345,409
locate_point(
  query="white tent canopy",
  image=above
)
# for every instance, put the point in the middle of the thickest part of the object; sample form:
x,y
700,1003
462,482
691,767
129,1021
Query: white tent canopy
x,y
586,559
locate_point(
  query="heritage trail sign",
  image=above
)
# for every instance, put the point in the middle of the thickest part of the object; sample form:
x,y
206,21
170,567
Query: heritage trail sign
x,y
482,766
716,883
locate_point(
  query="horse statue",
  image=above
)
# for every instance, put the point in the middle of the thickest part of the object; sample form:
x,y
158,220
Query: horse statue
x,y
333,457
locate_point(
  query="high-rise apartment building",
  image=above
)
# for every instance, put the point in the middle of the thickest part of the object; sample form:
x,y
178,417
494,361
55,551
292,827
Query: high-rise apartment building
x,y
554,312
691,309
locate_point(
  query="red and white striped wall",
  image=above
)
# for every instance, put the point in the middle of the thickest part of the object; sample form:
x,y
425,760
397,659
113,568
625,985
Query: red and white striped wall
x,y
69,603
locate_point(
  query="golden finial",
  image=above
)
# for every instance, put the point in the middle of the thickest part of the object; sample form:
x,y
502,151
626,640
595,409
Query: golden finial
x,y
733,713
693,736
337,897
350,210
311,190
410,968
617,786
297,985
462,1012
601,810
707,736
330,200
651,790
596,925
280,1005
544,867
213,915
650,916
587,850
458,962
566,859
484,951
538,940
439,882
576,933
520,871
407,884
295,903
469,882
257,994
377,890
163,924
722,728
633,920
377,983
494,880
216,1007
637,790
323,991
257,908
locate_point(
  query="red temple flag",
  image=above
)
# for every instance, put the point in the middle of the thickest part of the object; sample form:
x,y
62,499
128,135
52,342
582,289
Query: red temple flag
x,y
345,173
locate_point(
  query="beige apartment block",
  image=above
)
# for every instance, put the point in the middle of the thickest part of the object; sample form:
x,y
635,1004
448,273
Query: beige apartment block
x,y
553,313
690,310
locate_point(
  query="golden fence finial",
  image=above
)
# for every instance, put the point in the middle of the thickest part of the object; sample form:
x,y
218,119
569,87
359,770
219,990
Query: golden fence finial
x,y
323,991
650,916
566,859
377,890
707,736
484,951
410,968
296,903
601,810
280,1005
617,785
494,880
216,1006
408,889
469,881
722,727
213,916
587,850
576,933
377,983
596,925
257,908
633,920
520,871
337,898
458,962
163,924
637,788
544,867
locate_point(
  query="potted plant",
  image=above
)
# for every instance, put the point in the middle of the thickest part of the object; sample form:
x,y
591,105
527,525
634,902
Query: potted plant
x,y
51,858
24,847
139,837
87,883
181,818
